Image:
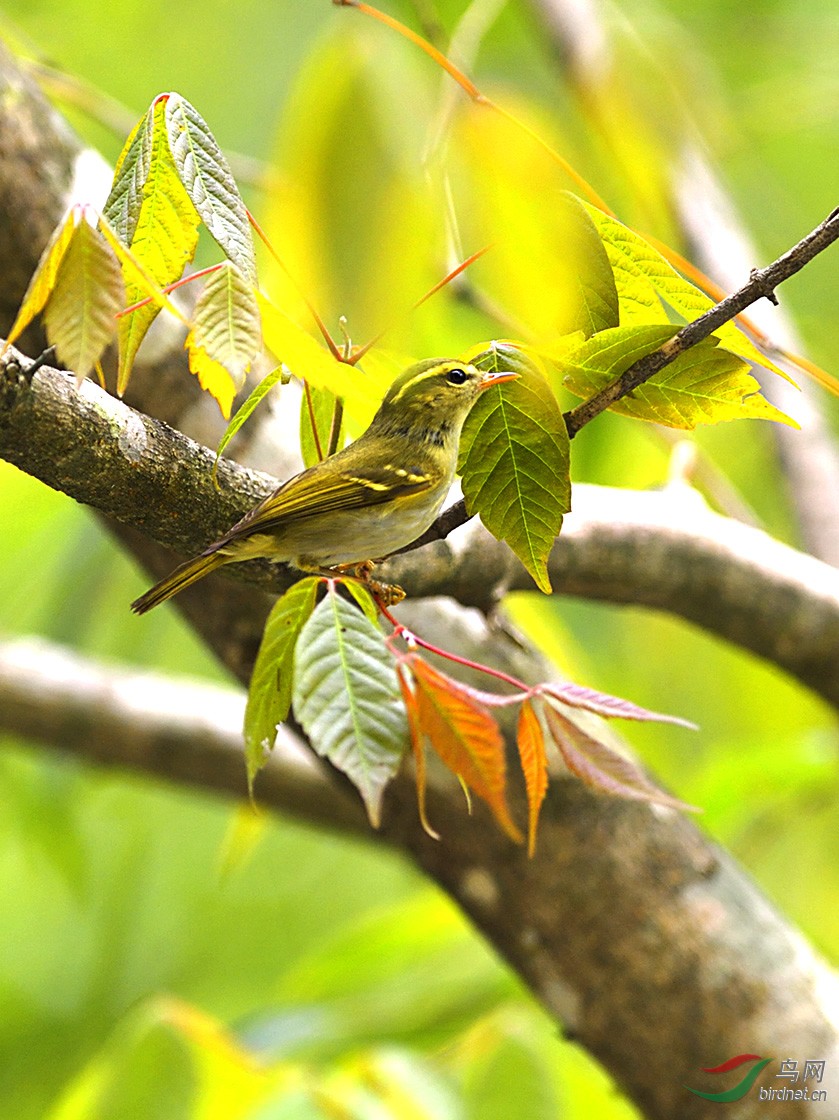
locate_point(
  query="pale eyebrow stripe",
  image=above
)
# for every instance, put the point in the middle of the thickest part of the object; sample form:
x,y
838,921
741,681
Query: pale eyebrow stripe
x,y
426,373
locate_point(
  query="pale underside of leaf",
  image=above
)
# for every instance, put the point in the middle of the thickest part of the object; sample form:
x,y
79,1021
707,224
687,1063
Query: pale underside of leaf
x,y
88,292
601,766
607,706
347,697
225,322
209,182
123,205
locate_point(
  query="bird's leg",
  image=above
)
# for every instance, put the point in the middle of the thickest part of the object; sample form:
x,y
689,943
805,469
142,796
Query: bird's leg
x,y
388,594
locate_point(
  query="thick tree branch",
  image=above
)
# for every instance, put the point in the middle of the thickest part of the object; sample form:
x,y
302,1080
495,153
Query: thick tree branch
x,y
625,924
175,728
669,551
665,550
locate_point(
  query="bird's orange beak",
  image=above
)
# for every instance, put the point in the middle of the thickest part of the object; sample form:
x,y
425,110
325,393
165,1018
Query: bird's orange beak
x,y
491,379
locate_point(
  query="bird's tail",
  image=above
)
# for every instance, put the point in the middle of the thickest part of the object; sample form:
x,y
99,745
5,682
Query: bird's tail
x,y
181,577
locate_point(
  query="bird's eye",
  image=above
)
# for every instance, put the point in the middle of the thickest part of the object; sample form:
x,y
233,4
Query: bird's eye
x,y
457,376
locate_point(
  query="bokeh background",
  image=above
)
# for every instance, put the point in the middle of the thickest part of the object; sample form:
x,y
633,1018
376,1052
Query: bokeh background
x,y
200,962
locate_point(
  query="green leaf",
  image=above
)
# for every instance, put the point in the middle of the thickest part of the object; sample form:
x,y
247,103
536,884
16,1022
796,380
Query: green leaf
x,y
644,278
318,405
596,306
80,313
165,233
269,693
499,1066
246,408
226,327
209,182
705,385
514,459
347,697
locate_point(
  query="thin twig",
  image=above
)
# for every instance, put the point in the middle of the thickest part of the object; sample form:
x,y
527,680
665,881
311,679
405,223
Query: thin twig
x,y
761,285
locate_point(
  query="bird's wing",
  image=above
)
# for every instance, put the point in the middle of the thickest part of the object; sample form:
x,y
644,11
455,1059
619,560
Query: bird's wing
x,y
317,491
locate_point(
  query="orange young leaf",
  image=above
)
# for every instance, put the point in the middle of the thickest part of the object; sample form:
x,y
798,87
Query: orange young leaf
x,y
464,735
534,764
418,749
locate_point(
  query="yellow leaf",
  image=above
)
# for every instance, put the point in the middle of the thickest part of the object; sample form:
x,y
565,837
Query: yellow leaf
x,y
643,275
225,322
211,375
164,237
706,384
80,315
310,361
134,270
43,280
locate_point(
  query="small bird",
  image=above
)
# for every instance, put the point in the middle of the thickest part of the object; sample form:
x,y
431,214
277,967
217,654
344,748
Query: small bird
x,y
365,502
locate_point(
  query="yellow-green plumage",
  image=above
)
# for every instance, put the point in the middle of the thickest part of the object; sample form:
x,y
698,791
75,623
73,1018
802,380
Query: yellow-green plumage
x,y
368,500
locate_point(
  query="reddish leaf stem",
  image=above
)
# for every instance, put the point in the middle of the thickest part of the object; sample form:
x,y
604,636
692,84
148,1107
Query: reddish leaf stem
x,y
438,56
410,638
310,405
169,288
360,351
327,337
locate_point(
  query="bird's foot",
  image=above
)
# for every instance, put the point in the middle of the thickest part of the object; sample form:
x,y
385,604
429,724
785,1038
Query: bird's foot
x,y
387,594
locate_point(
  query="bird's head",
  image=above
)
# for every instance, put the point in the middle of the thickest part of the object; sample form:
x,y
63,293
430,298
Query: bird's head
x,y
435,393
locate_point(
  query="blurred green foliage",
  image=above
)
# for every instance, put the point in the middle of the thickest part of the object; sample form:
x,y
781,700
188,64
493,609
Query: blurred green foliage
x,y
147,967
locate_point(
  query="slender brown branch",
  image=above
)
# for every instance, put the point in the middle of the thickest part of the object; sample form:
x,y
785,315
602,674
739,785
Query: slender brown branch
x,y
761,285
